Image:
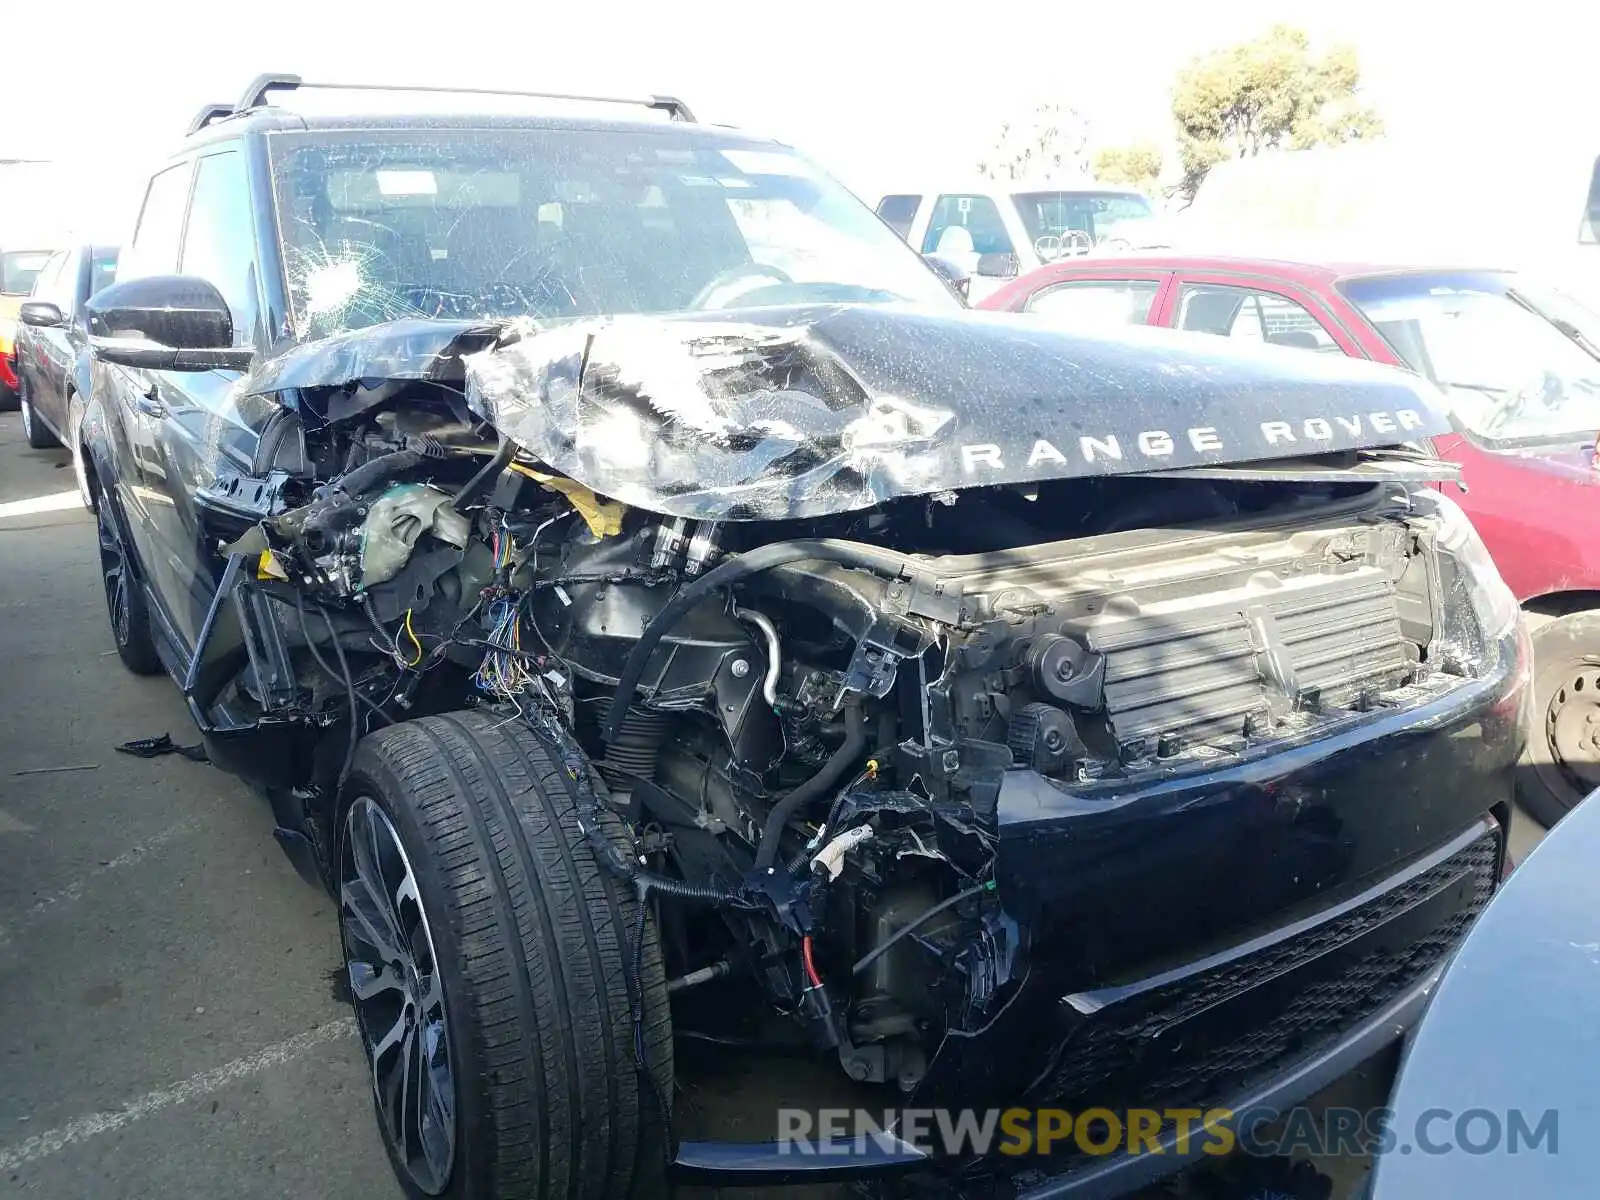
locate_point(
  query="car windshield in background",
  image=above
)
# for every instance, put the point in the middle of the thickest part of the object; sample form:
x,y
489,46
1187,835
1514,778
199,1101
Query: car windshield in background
x,y
1099,218
556,224
19,268
1518,362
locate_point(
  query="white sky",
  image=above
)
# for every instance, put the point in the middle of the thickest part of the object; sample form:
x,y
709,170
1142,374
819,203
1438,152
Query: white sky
x,y
877,90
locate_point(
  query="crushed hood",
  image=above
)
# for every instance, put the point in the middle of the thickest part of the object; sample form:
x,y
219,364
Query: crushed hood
x,y
786,413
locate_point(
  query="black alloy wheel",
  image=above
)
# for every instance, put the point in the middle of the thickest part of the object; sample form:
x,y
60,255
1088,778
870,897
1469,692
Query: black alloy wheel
x,y
509,988
125,602
398,996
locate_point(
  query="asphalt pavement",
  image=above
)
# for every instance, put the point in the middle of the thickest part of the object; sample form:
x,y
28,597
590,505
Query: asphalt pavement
x,y
169,1026
168,1018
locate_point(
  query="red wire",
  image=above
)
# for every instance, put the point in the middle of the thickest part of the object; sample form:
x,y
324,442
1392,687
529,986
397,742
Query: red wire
x,y
811,967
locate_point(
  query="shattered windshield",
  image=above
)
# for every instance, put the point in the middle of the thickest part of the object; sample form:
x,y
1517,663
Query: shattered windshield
x,y
1518,362
471,224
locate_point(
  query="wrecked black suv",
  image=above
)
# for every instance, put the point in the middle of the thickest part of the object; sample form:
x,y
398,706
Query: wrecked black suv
x,y
663,615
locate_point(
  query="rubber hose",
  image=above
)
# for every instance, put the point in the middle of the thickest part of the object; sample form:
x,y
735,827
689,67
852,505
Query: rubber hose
x,y
841,760
353,483
752,562
491,471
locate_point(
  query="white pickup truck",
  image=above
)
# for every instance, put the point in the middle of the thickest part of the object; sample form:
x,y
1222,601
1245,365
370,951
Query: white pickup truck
x,y
995,229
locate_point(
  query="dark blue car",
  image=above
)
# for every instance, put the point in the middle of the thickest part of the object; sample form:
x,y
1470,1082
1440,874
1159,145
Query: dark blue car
x,y
664,616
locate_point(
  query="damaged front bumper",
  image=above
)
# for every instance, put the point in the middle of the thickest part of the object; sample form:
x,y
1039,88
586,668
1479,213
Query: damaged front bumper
x,y
1364,854
733,1164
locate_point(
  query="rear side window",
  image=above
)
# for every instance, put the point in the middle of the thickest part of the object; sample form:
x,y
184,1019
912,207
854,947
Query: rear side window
x,y
154,249
965,225
44,282
1250,315
219,242
1096,303
898,212
59,283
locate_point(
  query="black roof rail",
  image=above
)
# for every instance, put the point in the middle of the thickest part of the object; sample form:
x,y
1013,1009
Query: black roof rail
x,y
208,114
256,94
673,107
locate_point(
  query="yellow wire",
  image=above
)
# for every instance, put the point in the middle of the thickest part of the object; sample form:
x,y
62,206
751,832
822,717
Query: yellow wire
x,y
410,634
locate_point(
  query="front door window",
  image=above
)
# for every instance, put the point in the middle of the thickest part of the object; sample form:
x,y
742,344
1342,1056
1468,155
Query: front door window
x,y
1096,303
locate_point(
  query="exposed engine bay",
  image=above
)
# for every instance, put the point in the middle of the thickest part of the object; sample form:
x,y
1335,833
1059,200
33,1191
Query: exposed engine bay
x,y
805,723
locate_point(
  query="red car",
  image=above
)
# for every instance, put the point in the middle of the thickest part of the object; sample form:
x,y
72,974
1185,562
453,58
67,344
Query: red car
x,y
1520,365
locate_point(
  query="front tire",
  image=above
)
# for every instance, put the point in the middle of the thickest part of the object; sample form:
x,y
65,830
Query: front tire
x,y
1561,763
472,907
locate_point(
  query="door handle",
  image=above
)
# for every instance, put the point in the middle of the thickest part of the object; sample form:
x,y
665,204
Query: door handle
x,y
149,402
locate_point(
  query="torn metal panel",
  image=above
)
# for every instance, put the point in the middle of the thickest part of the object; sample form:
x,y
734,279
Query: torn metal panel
x,y
397,350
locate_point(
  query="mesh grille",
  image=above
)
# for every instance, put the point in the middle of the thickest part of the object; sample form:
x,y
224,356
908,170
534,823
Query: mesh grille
x,y
1106,1050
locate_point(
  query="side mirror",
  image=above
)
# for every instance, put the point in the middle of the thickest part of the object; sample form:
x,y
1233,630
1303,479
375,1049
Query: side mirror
x,y
40,314
164,323
952,272
997,266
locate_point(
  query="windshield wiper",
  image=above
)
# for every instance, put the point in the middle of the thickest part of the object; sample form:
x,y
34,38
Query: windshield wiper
x,y
1392,463
1571,331
1576,334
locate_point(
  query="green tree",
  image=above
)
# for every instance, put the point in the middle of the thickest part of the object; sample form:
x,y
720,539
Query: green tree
x,y
1269,93
1138,165
1053,139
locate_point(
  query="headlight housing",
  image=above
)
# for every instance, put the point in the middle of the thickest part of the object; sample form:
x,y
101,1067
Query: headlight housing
x,y
1476,609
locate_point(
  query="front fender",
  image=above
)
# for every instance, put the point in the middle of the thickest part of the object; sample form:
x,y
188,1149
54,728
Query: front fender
x,y
95,435
81,385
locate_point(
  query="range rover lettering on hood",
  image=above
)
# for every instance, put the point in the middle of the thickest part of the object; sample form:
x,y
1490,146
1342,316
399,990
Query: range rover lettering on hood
x,y
1160,446
799,412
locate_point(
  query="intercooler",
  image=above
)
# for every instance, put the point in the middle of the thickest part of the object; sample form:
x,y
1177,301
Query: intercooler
x,y
1207,668
1223,638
